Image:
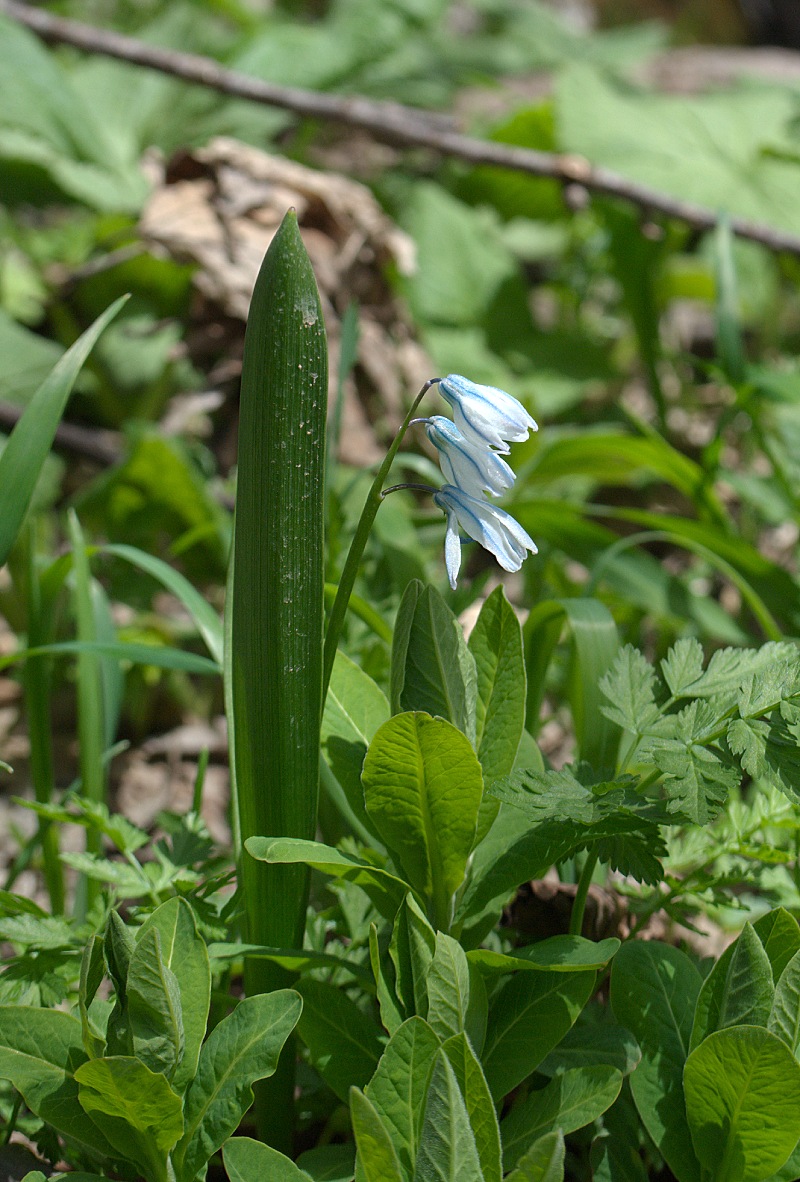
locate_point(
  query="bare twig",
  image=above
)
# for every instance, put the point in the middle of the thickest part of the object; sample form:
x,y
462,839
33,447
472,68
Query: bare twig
x,y
390,122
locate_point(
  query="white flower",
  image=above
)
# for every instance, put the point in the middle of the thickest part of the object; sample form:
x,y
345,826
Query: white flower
x,y
496,530
472,467
485,415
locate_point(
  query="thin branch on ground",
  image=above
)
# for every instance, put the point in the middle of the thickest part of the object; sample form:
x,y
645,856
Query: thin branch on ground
x,y
391,123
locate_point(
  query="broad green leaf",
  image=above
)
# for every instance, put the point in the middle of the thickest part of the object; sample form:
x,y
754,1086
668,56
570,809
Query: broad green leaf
x,y
557,954
543,1162
29,443
208,623
654,988
241,1049
447,1149
479,1104
247,1160
329,1163
710,149
593,1043
530,1014
779,935
448,986
569,1101
400,1084
376,1158
135,1108
748,992
743,1102
386,890
784,1016
615,1156
496,644
423,787
432,668
411,947
154,1007
40,1051
344,1042
184,953
354,709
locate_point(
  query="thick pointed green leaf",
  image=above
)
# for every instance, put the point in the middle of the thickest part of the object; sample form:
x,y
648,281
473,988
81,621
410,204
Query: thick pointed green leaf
x,y
432,668
386,890
135,1108
40,1051
30,441
376,1160
530,1015
184,953
93,966
571,1100
274,658
400,1085
479,1104
344,1042
392,1010
544,1161
423,787
243,1048
448,987
743,1102
748,992
154,1007
447,1149
653,992
250,1161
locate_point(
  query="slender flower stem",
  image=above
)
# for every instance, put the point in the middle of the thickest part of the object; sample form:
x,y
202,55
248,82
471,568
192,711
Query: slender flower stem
x,y
579,906
358,544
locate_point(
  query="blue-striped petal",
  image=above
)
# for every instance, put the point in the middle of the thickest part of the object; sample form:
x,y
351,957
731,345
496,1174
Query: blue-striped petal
x,y
473,467
497,531
484,414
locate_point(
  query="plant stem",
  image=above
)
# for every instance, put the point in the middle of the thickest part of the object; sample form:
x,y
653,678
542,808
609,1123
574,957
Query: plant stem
x,y
579,906
358,545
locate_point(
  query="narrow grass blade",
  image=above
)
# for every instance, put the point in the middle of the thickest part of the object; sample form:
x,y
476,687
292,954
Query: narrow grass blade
x,y
32,438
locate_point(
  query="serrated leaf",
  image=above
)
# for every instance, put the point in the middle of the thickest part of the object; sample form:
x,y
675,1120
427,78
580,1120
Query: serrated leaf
x,y
697,782
768,750
447,1149
629,687
683,665
241,1049
135,1108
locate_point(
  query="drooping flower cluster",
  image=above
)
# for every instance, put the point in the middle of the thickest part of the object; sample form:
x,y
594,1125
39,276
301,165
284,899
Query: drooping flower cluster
x,y
470,450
